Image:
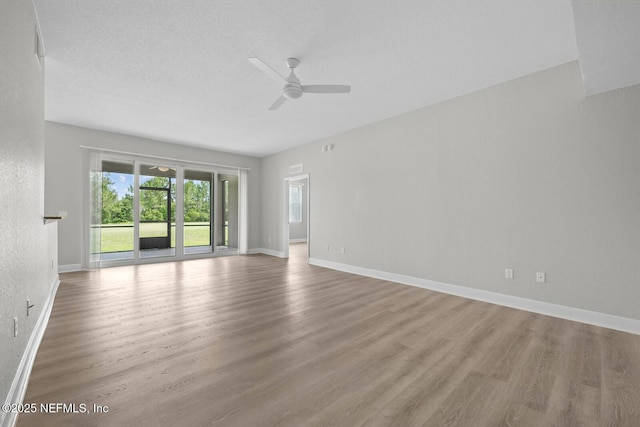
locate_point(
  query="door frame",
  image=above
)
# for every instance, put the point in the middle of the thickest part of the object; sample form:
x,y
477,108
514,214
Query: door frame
x,y
93,164
285,218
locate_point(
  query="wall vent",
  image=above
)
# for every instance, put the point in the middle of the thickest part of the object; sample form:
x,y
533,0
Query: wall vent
x,y
294,169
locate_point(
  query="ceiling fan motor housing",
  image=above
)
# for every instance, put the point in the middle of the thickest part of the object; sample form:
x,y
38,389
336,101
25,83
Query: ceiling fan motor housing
x,y
292,88
292,91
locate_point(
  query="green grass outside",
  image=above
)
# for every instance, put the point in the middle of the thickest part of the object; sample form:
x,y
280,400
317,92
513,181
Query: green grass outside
x,y
116,238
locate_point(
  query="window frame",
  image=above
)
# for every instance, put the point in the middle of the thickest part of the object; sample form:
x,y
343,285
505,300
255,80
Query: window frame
x,y
297,202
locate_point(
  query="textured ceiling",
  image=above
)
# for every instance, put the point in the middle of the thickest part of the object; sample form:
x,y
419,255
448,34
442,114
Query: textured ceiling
x,y
608,35
177,71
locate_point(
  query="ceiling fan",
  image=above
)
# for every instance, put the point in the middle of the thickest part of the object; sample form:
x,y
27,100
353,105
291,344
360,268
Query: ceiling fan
x,y
292,88
162,168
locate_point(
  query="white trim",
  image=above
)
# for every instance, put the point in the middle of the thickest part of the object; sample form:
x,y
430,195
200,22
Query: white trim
x,y
243,211
21,379
150,156
214,218
301,240
561,311
264,251
166,258
68,268
285,218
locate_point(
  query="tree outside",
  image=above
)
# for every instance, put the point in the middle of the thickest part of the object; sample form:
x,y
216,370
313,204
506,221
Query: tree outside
x,y
117,211
197,200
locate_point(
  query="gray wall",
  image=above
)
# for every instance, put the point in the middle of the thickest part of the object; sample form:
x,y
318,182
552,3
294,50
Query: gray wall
x,y
67,164
24,265
298,230
528,174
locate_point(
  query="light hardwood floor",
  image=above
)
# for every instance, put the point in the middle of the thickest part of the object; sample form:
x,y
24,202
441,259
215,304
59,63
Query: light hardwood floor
x,y
260,341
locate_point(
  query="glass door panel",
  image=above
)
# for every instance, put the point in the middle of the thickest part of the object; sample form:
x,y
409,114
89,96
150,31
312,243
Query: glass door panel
x,y
157,211
228,213
115,227
198,225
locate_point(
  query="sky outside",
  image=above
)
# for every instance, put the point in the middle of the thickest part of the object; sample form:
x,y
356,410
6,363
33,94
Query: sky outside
x,y
121,182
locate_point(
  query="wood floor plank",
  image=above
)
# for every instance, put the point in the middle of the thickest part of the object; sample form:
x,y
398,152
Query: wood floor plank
x,y
263,341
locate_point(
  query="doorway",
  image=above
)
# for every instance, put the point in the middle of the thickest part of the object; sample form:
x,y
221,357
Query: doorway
x,y
296,219
198,227
157,210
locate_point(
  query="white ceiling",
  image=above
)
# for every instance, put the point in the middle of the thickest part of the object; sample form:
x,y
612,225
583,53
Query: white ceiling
x,y
608,34
177,71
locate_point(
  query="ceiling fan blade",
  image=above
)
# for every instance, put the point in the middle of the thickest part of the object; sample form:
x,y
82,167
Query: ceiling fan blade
x,y
278,103
326,88
267,70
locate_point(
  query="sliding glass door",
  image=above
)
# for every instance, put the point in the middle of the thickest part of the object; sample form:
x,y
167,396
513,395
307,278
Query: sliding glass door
x,y
198,218
228,213
112,224
157,200
147,209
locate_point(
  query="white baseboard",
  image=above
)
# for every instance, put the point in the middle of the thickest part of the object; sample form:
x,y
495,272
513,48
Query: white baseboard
x,y
564,312
69,268
302,240
266,252
21,379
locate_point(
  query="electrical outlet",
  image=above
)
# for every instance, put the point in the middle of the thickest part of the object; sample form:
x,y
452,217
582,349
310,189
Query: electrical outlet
x,y
541,277
508,273
326,248
15,326
342,250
